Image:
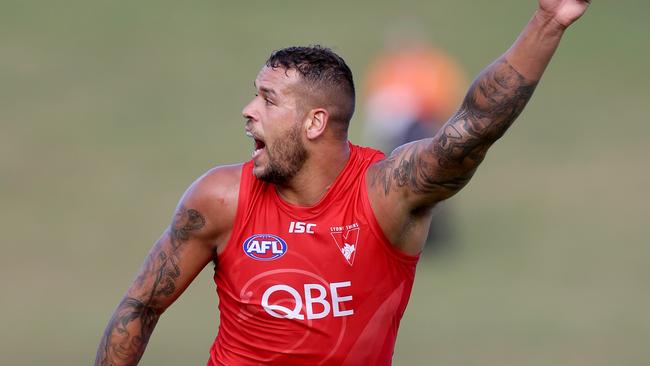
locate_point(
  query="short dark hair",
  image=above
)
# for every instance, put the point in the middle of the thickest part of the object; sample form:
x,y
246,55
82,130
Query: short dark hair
x,y
327,76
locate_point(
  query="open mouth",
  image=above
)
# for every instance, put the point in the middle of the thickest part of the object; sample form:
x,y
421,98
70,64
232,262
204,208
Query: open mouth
x,y
259,146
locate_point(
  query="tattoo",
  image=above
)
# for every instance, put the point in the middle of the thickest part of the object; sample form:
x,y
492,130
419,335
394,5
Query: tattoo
x,y
127,333
133,321
184,222
410,166
445,163
492,104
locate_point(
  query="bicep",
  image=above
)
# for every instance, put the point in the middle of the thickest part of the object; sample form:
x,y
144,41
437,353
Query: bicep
x,y
424,172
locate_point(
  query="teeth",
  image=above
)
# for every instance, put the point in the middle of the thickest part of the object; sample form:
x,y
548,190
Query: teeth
x,y
256,142
256,152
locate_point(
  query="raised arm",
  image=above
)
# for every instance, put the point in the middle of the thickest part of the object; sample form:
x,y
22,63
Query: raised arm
x,y
417,175
199,227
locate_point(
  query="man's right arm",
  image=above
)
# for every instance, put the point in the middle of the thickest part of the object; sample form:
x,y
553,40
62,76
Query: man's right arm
x,y
201,225
404,186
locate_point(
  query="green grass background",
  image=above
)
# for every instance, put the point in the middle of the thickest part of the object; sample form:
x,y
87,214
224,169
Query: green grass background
x,y
109,109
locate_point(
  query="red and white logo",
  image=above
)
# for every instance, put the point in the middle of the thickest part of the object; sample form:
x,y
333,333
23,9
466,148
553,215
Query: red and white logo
x,y
346,238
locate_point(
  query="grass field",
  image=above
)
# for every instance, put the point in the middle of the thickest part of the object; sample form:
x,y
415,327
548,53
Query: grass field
x,y
109,109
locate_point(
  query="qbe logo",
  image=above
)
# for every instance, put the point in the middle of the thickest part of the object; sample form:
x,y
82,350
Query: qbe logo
x,y
265,247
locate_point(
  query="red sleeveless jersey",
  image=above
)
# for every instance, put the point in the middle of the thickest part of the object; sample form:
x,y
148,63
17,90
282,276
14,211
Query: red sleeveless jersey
x,y
316,285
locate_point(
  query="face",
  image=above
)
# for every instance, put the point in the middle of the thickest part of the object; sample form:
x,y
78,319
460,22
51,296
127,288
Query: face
x,y
274,121
124,343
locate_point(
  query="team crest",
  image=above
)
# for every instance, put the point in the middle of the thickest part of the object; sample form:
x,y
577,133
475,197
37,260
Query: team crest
x,y
346,238
265,247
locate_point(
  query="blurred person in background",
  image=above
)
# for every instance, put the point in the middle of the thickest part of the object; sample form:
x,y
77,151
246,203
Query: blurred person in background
x,y
315,240
411,89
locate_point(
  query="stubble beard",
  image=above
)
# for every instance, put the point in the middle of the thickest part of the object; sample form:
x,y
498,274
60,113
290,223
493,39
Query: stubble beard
x,y
286,158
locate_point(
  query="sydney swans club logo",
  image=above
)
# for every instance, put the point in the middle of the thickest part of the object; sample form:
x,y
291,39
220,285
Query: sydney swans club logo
x,y
265,247
346,238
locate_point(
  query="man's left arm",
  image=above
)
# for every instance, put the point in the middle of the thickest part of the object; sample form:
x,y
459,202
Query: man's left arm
x,y
417,175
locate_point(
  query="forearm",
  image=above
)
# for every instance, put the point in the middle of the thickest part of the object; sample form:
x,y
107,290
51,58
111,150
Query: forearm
x,y
127,333
437,168
173,262
497,96
129,329
535,46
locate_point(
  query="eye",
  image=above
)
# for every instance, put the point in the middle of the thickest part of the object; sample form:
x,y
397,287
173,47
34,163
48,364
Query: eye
x,y
267,101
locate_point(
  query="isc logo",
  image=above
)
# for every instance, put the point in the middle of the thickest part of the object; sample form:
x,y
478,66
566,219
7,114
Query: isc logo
x,y
265,247
301,227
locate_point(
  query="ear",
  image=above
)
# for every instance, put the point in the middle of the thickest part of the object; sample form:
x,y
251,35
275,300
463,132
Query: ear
x,y
316,122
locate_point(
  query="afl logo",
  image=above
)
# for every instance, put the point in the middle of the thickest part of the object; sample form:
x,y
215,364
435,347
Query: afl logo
x,y
265,247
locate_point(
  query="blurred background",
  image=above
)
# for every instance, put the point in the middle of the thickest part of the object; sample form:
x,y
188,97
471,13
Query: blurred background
x,y
110,109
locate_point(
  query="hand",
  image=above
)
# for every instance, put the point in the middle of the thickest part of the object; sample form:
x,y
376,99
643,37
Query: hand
x,y
564,12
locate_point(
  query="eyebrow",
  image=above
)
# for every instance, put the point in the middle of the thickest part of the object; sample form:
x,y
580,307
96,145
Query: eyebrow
x,y
265,90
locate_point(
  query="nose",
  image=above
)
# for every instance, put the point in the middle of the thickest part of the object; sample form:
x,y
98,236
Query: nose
x,y
249,112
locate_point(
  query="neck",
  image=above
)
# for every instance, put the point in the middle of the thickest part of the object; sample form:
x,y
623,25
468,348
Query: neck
x,y
317,175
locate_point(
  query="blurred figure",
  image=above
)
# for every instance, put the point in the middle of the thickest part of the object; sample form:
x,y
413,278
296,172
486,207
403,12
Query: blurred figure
x,y
411,89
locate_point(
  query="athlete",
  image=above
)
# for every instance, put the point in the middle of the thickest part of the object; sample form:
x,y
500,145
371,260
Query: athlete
x,y
315,240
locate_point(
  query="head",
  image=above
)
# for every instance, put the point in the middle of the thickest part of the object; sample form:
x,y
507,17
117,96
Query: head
x,y
304,95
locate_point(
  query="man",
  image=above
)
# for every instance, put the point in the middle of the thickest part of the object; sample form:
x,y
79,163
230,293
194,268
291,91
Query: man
x,y
315,240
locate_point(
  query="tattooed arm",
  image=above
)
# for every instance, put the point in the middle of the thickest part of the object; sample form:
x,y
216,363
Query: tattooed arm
x,y
199,228
415,176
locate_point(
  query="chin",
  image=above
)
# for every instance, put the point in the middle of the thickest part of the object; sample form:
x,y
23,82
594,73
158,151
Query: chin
x,y
271,176
258,171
